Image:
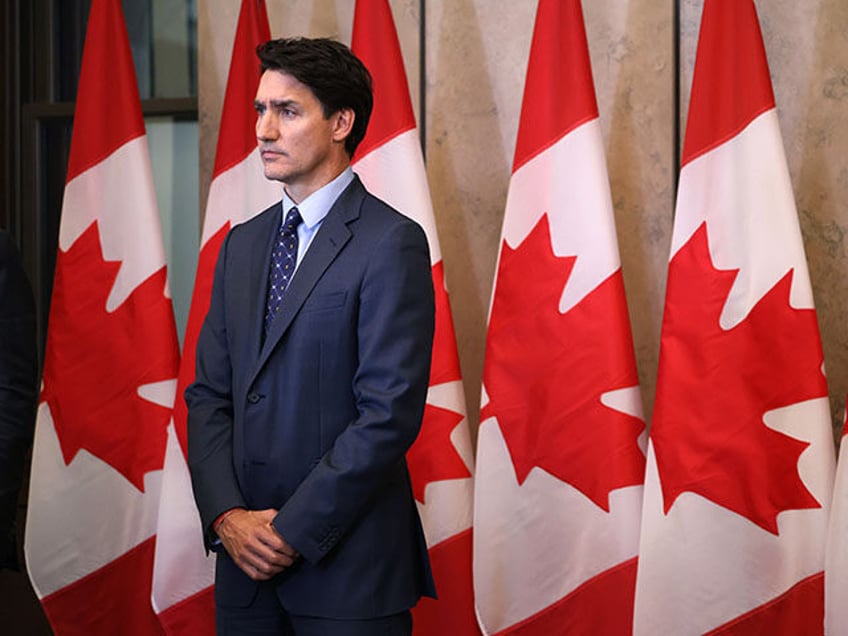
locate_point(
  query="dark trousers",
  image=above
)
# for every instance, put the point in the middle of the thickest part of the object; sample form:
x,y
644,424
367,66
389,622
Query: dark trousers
x,y
266,617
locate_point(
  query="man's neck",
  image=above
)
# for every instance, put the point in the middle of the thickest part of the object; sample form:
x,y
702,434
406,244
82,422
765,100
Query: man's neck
x,y
297,192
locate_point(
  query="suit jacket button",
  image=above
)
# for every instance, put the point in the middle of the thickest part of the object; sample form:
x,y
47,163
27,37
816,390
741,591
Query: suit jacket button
x,y
253,397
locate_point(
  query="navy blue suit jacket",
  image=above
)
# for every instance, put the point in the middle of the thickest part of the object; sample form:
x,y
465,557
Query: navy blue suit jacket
x,y
316,420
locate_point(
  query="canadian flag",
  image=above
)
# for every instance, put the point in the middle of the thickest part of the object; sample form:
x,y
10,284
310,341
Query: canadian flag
x,y
560,457
390,164
836,563
183,574
740,457
110,363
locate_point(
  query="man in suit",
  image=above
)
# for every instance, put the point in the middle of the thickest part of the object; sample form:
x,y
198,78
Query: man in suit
x,y
312,373
18,384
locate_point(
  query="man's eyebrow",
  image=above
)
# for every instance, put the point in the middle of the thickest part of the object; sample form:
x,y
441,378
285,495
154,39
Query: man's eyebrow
x,y
275,104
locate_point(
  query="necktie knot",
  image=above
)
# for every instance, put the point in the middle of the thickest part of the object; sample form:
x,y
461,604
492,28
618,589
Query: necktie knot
x,y
292,220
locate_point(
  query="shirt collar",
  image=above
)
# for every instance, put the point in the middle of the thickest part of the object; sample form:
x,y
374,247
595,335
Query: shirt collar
x,y
315,207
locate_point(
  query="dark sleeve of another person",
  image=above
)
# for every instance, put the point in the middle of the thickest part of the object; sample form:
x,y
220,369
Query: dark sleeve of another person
x,y
18,386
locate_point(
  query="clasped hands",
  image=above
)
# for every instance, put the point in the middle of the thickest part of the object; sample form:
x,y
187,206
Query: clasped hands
x,y
254,544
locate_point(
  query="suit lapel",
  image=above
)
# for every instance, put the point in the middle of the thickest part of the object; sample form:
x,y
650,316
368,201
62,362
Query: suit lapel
x,y
328,242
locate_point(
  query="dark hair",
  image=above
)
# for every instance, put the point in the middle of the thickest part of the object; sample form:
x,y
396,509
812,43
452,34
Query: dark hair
x,y
336,77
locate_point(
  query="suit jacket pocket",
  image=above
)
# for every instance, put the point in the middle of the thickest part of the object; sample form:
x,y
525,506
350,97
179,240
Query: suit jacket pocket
x,y
325,301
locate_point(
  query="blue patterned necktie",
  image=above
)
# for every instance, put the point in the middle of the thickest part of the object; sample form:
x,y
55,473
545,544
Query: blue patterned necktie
x,y
283,261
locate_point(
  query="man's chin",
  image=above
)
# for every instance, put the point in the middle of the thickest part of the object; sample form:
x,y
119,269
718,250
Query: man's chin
x,y
274,175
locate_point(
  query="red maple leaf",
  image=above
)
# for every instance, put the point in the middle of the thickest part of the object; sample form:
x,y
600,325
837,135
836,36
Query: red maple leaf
x,y
95,361
433,457
545,372
715,386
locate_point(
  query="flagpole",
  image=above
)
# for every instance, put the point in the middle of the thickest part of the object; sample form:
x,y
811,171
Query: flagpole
x,y
676,138
422,77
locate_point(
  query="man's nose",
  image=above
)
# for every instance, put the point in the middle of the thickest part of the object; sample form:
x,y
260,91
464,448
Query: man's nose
x,y
265,128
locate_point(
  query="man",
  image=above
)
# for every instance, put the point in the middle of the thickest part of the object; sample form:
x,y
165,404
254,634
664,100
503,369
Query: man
x,y
312,373
18,383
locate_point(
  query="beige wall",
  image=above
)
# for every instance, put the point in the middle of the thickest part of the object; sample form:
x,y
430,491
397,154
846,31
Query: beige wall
x,y
476,57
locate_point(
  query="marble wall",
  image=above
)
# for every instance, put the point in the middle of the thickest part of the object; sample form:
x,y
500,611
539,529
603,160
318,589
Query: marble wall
x,y
475,56
808,56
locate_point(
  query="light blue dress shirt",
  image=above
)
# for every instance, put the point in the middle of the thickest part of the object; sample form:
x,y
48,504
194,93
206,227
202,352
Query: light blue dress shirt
x,y
314,208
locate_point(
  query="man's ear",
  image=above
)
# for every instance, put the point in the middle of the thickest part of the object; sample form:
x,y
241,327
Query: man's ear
x,y
343,123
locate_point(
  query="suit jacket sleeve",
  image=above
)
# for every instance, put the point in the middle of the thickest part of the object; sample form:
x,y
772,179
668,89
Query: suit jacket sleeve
x,y
18,382
395,338
210,413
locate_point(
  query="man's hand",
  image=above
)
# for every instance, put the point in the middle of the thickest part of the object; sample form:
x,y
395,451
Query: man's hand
x,y
254,544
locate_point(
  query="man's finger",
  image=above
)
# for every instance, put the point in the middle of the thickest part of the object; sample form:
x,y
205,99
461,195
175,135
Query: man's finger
x,y
262,555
